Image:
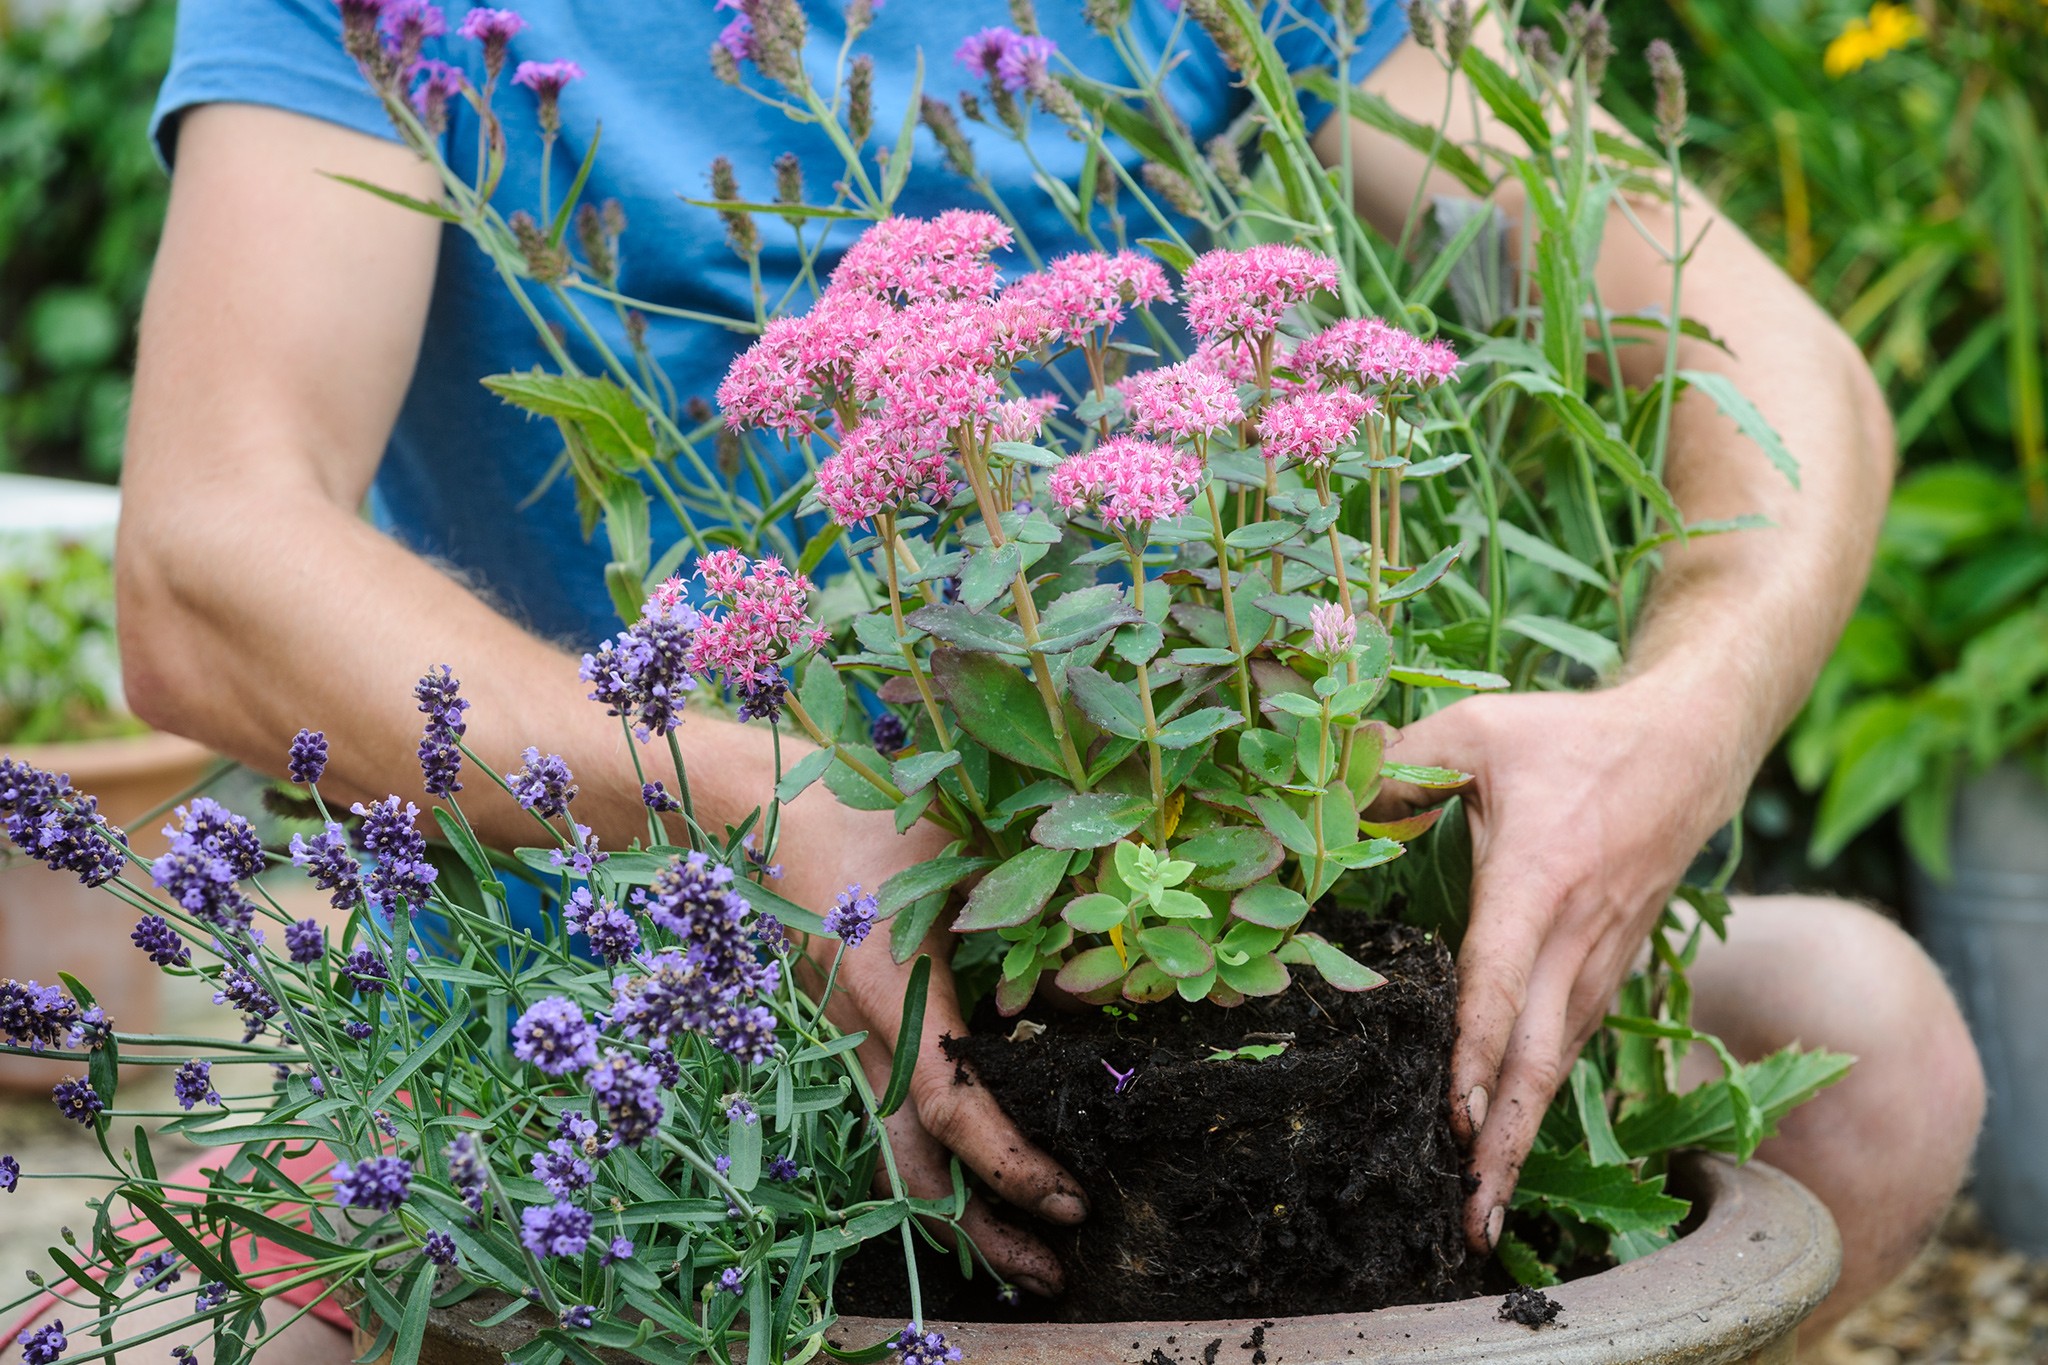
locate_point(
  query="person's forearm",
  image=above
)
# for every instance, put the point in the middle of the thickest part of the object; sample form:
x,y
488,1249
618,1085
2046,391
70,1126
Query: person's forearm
x,y
1737,625
248,613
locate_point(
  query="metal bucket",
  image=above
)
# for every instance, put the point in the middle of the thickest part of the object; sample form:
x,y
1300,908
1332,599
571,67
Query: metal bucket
x,y
1988,928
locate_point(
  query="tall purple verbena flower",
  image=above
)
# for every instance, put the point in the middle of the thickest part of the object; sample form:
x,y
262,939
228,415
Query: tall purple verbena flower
x,y
494,29
154,935
193,1085
546,80
560,1230
379,1182
851,917
554,1036
77,1100
307,763
544,786
439,82
440,759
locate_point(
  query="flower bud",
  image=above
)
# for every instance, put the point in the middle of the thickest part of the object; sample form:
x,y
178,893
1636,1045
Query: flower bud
x,y
789,179
729,452
1333,632
1057,100
860,99
1236,49
1105,16
778,40
970,106
1024,17
1536,45
860,17
1667,77
1457,29
723,64
547,263
1227,161
1421,26
945,130
740,233
636,329
696,409
1170,185
597,251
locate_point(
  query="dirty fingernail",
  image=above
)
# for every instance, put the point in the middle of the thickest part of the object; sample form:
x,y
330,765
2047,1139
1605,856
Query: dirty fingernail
x,y
1494,1221
1062,1208
1475,1108
1031,1285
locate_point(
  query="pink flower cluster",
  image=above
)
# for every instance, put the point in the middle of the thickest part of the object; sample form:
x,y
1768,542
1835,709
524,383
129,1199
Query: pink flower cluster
x,y
1005,56
1180,401
1087,291
1333,631
909,260
1021,419
1313,426
1373,354
880,466
766,618
1243,294
1126,480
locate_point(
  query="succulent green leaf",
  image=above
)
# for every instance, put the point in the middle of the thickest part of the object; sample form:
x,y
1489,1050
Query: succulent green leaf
x,y
1091,820
1177,950
1015,892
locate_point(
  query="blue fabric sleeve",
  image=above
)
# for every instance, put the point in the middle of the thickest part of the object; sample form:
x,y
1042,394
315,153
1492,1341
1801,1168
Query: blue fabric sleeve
x,y
282,53
1305,45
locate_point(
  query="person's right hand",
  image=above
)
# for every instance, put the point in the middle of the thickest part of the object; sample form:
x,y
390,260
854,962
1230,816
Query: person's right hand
x,y
827,848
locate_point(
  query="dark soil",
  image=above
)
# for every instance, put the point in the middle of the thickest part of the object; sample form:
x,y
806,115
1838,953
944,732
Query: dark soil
x,y
1529,1306
1322,1180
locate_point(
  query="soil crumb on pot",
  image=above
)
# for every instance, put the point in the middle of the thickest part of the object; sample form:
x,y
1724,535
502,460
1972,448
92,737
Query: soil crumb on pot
x,y
1529,1306
1317,1177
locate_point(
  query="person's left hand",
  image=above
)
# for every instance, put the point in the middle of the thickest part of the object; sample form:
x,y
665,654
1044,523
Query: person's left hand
x,y
1585,810
827,848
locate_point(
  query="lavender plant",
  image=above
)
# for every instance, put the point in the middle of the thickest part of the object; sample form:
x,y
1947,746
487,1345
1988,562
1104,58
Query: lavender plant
x,y
1145,548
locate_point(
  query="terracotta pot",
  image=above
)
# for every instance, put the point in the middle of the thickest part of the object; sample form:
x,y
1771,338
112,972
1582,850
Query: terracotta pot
x,y
1731,1292
49,923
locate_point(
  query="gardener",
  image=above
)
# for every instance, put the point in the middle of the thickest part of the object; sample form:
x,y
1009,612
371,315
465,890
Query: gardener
x,y
306,346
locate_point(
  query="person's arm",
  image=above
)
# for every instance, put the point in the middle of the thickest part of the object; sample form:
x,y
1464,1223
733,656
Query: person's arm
x,y
1587,808
283,321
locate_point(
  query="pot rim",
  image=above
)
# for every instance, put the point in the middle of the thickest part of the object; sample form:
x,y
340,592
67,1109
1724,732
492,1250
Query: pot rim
x,y
96,761
1761,1260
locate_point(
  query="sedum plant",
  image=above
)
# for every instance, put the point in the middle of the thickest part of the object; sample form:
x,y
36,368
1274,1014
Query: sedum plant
x,y
1117,566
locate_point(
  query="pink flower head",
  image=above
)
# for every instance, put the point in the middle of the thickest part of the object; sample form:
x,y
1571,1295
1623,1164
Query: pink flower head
x,y
489,26
803,363
911,259
984,53
1021,419
1089,290
932,365
766,618
1312,427
439,82
1126,480
406,23
546,79
881,465
1244,293
1333,631
737,38
1230,358
1023,63
1372,354
1180,401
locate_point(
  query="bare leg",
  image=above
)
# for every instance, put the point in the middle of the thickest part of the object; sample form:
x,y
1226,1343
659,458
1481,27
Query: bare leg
x,y
1886,1148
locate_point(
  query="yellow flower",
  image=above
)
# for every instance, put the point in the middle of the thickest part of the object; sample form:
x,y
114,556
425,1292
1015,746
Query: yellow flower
x,y
1888,28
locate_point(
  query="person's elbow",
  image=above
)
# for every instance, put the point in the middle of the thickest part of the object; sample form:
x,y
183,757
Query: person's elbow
x,y
156,638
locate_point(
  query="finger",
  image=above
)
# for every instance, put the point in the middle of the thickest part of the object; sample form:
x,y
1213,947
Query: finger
x,y
927,1173
1446,739
1535,1065
1511,914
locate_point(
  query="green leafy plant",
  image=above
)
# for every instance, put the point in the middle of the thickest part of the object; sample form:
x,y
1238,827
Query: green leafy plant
x,y
60,674
80,209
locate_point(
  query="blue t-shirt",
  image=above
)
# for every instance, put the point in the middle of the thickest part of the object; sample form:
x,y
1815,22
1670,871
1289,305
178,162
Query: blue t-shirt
x,y
458,479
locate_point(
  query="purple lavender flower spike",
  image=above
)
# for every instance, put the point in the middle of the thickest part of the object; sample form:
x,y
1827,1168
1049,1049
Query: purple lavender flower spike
x,y
562,1169
36,1017
656,798
621,1249
888,733
379,1182
56,824
245,993
580,857
193,1085
544,786
440,759
578,1316
466,1169
732,1282
740,1109
629,1094
852,916
402,873
211,1295
45,1345
358,1030
366,970
308,760
305,940
10,1174
440,1249
554,1036
612,933
158,1272
918,1347
641,674
783,1169
561,1230
154,935
77,1100
329,862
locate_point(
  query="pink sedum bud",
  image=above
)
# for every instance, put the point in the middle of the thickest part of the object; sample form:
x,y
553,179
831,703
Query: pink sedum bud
x,y
1333,632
